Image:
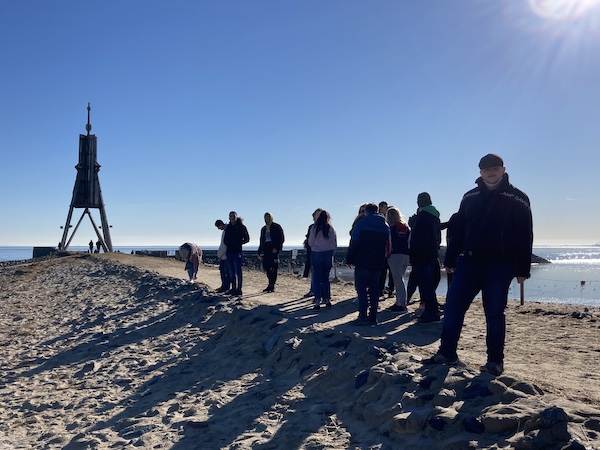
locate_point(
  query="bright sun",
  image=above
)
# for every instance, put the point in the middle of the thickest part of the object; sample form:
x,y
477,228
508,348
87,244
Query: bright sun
x,y
563,9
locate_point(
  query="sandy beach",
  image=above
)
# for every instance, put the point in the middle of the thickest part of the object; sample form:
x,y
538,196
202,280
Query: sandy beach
x,y
116,351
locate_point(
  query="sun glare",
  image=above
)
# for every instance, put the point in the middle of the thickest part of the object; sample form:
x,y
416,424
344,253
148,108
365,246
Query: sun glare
x,y
563,9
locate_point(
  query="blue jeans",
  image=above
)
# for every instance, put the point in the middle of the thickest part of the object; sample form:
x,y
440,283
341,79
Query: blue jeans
x,y
234,265
366,283
425,274
470,277
321,263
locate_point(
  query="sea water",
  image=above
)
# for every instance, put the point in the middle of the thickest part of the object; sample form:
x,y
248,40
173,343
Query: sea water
x,y
573,275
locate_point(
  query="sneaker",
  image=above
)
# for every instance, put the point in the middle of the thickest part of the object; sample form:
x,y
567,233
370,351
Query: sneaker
x,y
398,308
429,317
309,294
328,303
391,294
493,368
438,358
317,306
222,289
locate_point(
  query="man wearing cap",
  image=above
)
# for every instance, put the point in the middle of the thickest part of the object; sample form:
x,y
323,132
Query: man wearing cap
x,y
424,245
492,238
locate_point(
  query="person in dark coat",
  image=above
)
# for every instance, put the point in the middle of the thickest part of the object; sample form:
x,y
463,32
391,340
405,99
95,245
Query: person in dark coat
x,y
492,239
367,252
271,243
236,235
424,244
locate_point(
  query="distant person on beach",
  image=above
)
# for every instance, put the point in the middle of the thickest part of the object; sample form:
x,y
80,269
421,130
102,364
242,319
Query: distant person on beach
x,y
98,244
386,272
323,243
492,238
222,255
398,258
307,265
270,244
192,255
424,244
91,245
367,253
236,235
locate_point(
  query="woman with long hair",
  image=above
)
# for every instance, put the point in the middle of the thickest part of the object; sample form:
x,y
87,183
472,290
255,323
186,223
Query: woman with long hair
x,y
323,243
399,258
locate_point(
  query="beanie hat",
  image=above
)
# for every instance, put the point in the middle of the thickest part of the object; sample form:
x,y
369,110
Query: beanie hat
x,y
423,199
490,160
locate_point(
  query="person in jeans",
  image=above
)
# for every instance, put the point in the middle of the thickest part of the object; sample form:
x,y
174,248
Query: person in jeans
x,y
236,235
386,272
367,252
492,239
323,243
222,255
270,245
307,265
424,244
192,255
398,257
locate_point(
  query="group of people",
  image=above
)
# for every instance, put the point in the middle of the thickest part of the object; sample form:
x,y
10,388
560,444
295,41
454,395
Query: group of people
x,y
489,242
233,236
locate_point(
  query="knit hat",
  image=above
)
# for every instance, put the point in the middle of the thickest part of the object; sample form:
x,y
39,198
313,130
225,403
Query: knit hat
x,y
423,199
490,160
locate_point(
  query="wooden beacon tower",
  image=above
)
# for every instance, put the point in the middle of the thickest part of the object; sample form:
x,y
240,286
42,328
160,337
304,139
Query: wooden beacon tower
x,y
87,193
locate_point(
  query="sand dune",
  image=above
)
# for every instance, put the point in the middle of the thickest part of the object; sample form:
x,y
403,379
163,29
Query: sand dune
x,y
115,351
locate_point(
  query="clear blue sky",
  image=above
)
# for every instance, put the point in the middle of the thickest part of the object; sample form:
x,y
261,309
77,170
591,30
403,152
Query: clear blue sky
x,y
203,107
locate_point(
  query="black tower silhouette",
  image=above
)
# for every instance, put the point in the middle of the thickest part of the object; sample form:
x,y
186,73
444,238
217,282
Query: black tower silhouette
x,y
87,193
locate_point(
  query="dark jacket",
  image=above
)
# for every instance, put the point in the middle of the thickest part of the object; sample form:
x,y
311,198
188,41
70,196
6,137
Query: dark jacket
x,y
399,239
370,238
277,238
493,226
236,235
425,236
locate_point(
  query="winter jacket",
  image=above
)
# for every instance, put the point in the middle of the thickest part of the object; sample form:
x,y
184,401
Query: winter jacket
x,y
277,237
425,236
236,235
493,226
369,241
399,238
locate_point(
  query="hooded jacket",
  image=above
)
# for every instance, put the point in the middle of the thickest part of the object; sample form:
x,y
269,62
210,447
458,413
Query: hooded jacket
x,y
493,226
425,236
277,237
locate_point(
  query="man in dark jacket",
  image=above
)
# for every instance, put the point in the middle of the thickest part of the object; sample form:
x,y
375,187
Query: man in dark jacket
x,y
236,235
424,244
270,244
492,238
367,252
